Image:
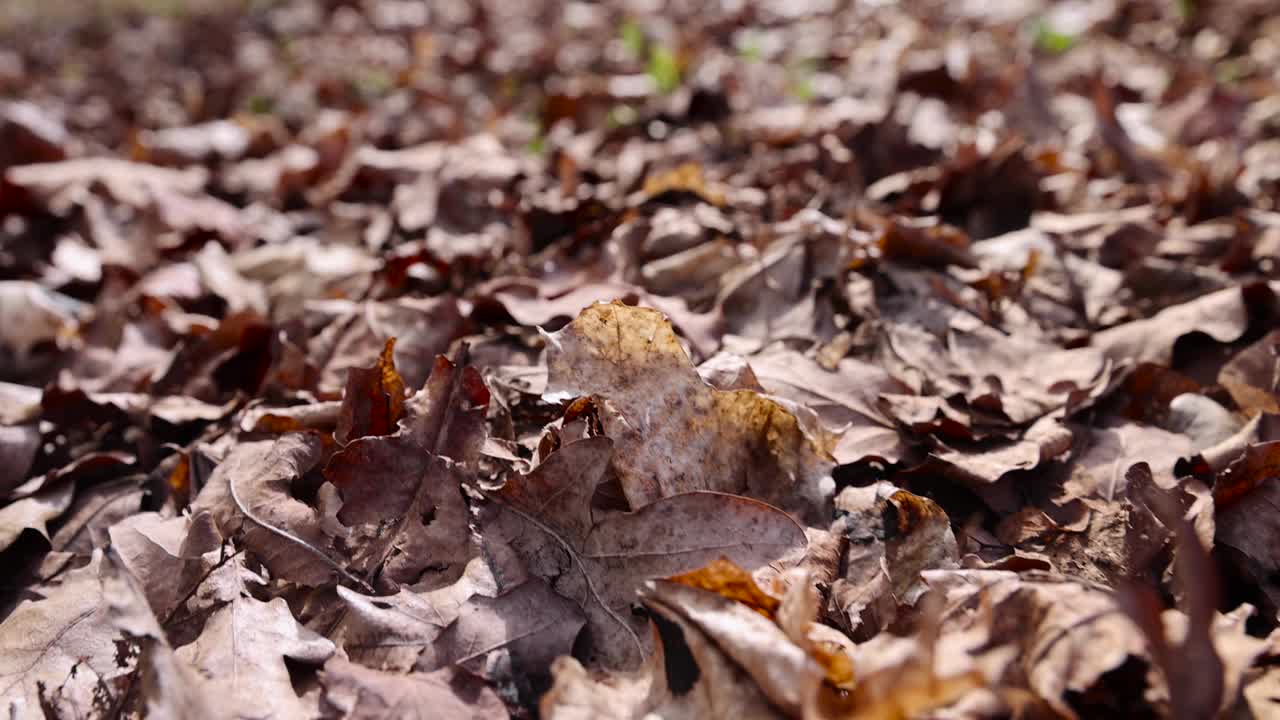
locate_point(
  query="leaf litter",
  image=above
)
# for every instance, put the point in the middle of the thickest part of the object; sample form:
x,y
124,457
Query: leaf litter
x,y
578,360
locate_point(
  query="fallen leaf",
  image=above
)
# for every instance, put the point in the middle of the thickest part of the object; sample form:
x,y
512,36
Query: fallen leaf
x,y
1251,377
360,692
1073,635
893,536
32,314
413,480
1244,498
1224,316
18,447
60,647
244,653
545,517
249,492
674,433
373,402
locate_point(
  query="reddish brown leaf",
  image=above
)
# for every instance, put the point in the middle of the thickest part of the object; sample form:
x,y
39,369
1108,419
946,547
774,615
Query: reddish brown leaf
x,y
373,401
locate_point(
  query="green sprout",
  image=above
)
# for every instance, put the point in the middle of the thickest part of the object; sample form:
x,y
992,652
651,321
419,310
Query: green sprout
x,y
1051,41
664,68
633,38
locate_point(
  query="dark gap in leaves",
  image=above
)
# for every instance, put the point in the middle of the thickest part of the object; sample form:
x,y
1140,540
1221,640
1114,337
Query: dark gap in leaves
x,y
859,474
1238,587
127,650
302,675
247,367
1118,693
305,486
677,660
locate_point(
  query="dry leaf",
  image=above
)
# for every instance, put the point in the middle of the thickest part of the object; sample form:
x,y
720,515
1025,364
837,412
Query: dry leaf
x,y
674,433
600,560
242,652
60,651
360,692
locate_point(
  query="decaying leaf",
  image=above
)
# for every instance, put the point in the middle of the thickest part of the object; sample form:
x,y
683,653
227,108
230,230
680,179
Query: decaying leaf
x,y
1245,495
242,653
360,692
412,481
674,433
60,651
250,492
599,559
374,399
892,537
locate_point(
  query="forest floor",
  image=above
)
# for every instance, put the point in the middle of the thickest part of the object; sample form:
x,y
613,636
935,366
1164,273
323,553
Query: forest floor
x,y
820,359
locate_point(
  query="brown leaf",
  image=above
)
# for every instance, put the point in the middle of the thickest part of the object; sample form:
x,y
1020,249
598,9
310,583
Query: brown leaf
x,y
250,492
127,182
783,671
686,178
322,416
893,537
18,447
163,688
373,402
729,581
414,478
219,274
1246,519
501,638
1251,469
31,314
242,651
505,638
165,556
378,477
674,433
58,649
937,245
1190,664
21,403
845,399
1071,634
360,692
1251,376
546,519
538,305
1223,315
34,511
353,331
446,417
904,677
